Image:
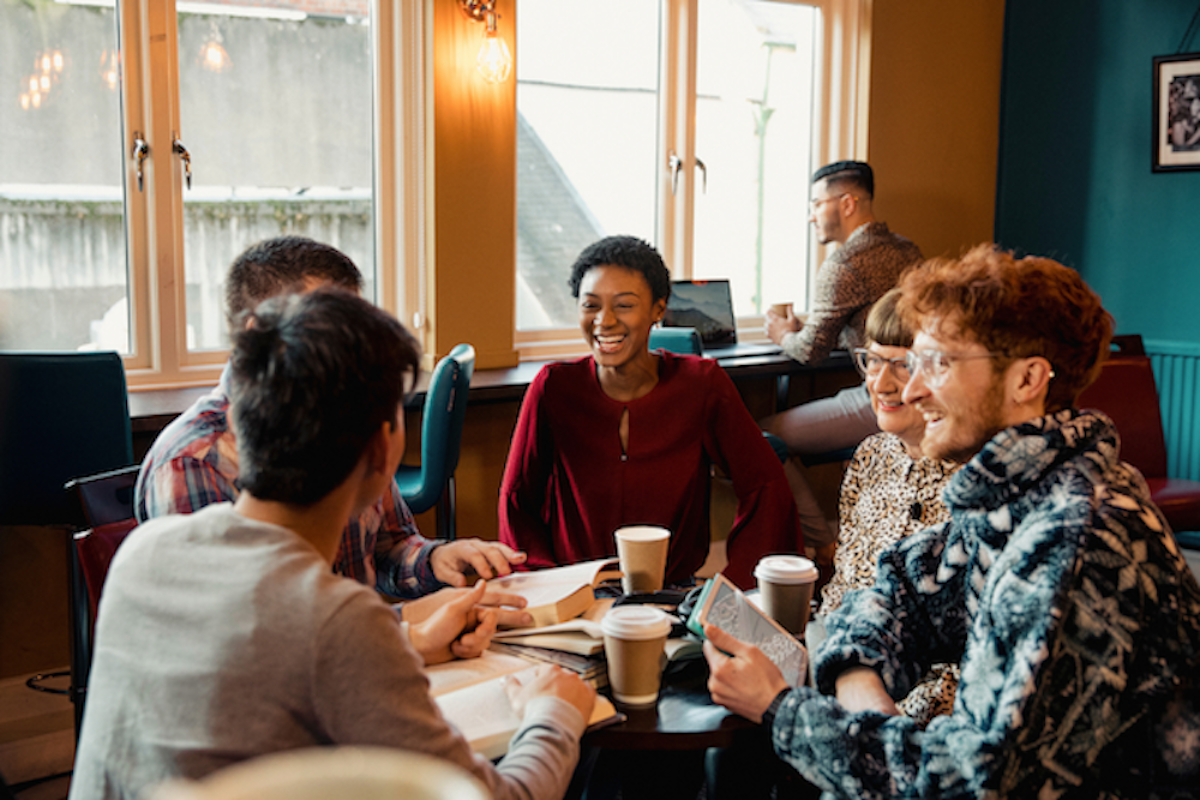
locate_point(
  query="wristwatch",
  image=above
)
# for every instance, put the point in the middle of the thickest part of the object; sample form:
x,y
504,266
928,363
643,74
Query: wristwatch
x,y
768,716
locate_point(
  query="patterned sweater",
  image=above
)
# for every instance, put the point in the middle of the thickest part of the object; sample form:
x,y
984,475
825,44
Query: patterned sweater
x,y
1059,588
849,282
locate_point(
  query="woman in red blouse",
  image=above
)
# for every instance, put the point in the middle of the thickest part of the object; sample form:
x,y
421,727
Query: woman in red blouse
x,y
625,436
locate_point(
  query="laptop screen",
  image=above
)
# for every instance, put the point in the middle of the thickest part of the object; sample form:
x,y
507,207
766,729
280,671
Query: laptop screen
x,y
706,306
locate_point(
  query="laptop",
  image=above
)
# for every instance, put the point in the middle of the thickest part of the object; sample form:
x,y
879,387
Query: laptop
x,y
707,306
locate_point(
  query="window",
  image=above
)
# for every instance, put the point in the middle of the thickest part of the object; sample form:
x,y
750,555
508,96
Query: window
x,y
699,138
269,105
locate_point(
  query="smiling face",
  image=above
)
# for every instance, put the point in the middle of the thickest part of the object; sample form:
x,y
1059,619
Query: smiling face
x,y
886,389
616,312
966,409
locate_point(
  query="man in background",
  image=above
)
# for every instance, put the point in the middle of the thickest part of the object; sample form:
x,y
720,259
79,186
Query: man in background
x,y
866,264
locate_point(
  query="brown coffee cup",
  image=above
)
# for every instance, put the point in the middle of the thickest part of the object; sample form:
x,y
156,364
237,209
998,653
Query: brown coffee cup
x,y
782,309
634,637
785,584
642,550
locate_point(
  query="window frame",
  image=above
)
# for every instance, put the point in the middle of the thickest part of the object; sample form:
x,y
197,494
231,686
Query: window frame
x,y
147,36
843,101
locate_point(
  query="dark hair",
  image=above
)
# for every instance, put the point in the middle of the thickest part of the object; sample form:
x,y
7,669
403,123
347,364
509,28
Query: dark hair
x,y
1020,307
886,325
312,378
629,252
842,176
283,264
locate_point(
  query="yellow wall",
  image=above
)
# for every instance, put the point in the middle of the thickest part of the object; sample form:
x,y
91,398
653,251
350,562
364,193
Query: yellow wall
x,y
935,119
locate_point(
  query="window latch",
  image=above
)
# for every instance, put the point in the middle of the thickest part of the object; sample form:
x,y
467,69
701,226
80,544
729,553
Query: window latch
x,y
185,156
141,151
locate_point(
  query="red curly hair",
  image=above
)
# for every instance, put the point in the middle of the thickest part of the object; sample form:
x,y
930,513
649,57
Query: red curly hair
x,y
1020,307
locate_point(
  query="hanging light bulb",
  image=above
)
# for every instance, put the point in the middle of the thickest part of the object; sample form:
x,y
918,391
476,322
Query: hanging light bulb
x,y
494,61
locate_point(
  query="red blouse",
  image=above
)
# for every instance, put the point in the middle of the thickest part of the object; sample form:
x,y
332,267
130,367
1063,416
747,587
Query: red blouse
x,y
568,486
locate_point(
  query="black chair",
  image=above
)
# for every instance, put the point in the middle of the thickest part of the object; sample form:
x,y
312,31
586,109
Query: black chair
x,y
62,415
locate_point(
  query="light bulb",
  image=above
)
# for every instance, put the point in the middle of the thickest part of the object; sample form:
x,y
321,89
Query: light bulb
x,y
494,61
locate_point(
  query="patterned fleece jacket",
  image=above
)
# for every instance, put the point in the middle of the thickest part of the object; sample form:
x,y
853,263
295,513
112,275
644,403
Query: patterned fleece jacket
x,y
1062,592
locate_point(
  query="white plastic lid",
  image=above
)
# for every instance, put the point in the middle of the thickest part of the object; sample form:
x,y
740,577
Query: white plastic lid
x,y
635,623
786,569
642,533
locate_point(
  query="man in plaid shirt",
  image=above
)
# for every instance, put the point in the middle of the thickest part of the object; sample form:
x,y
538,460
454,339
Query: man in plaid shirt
x,y
194,461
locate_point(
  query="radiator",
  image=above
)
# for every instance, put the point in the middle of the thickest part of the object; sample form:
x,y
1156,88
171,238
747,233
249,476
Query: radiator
x,y
1177,373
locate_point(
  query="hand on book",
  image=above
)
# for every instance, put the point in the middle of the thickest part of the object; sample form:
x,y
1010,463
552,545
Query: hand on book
x,y
506,605
551,681
453,561
457,628
740,677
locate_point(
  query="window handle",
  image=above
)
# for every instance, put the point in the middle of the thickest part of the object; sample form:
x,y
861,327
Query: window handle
x,y
676,164
703,176
141,151
177,147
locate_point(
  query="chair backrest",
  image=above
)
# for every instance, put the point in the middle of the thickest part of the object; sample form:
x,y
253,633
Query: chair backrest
x,y
1126,392
62,415
1127,344
686,341
329,773
107,503
442,422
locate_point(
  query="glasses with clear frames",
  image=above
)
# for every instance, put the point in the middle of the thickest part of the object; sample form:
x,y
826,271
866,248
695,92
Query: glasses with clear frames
x,y
935,365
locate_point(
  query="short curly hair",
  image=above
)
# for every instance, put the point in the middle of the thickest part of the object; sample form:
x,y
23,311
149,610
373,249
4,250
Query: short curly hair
x,y
1020,307
629,252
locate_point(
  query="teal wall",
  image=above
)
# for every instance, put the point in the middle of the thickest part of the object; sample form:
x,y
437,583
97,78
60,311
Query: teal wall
x,y
1074,178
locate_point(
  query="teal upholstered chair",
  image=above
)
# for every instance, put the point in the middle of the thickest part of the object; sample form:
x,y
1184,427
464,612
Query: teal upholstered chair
x,y
441,434
686,341
62,416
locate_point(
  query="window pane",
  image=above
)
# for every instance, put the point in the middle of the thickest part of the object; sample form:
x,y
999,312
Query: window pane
x,y
753,132
587,85
275,111
64,281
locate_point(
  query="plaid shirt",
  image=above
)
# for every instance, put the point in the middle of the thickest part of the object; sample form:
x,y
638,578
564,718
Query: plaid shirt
x,y
194,463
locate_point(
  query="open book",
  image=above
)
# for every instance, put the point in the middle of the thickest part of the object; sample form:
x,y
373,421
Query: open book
x,y
472,697
560,593
580,636
725,606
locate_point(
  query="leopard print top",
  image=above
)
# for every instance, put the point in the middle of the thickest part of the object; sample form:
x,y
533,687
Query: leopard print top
x,y
885,497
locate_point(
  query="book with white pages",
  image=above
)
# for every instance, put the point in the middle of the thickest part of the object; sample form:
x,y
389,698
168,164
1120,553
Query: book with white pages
x,y
580,636
558,594
473,699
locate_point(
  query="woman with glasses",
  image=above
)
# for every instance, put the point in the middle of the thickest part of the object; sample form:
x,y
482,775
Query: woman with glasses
x,y
890,490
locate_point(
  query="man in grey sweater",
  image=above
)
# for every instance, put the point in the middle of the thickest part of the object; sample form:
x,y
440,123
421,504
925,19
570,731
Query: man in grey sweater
x,y
224,634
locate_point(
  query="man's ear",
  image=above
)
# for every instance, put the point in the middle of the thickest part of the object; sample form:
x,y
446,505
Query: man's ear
x,y
376,454
1030,380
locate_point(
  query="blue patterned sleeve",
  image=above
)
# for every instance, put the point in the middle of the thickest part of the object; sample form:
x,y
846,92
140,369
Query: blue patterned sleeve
x,y
402,565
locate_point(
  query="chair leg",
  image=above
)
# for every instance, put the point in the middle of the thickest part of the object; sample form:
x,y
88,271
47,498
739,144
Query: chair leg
x,y
81,633
446,510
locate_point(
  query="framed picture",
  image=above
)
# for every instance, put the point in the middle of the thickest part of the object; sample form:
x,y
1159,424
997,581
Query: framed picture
x,y
1176,112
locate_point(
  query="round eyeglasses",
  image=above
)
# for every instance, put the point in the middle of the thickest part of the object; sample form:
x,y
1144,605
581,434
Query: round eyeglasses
x,y
935,365
870,365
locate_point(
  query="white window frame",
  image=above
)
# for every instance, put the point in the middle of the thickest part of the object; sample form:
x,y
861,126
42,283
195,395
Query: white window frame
x,y
159,357
843,100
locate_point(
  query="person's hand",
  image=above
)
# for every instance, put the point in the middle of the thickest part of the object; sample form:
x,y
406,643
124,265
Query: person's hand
x,y
458,628
507,606
553,681
861,689
776,326
741,678
453,560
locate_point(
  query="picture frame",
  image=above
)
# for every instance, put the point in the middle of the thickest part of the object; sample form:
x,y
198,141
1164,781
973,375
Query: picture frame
x,y
1176,144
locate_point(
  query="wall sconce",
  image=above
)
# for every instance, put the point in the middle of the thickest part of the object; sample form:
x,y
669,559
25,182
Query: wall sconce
x,y
494,61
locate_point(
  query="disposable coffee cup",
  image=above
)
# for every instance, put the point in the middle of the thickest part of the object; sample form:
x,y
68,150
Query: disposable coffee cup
x,y
782,309
785,584
633,644
642,550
